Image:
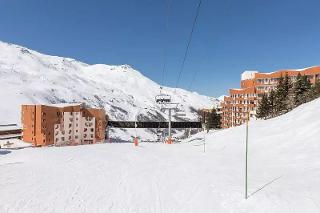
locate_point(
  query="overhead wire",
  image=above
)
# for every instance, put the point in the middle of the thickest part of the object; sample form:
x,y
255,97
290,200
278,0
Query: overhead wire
x,y
189,42
168,6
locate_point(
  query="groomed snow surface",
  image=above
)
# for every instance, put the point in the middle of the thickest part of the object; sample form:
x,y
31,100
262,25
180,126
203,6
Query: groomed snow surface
x,y
284,172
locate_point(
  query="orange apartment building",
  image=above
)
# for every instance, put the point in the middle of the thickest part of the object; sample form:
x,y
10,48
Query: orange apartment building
x,y
62,124
240,102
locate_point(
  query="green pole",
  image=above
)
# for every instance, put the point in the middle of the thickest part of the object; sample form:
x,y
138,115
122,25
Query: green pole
x,y
247,131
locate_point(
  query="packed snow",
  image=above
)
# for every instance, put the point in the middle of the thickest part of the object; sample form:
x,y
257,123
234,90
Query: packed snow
x,y
284,171
29,77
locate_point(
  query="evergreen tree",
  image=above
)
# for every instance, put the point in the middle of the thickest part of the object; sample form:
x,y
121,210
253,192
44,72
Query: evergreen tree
x,y
287,96
271,102
263,107
306,87
281,97
297,90
315,90
306,84
213,120
302,90
287,86
317,87
217,120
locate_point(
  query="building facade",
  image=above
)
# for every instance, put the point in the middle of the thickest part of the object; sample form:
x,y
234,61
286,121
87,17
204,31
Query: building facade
x,y
244,101
62,124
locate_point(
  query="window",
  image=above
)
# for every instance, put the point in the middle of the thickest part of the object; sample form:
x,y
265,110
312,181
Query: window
x,y
70,131
91,129
69,137
62,138
76,136
85,129
70,125
91,135
85,135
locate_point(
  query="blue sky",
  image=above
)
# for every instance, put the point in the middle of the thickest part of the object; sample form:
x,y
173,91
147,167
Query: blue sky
x,y
231,35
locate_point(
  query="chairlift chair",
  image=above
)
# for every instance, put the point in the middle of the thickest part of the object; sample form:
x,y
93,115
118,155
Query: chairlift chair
x,y
180,114
163,98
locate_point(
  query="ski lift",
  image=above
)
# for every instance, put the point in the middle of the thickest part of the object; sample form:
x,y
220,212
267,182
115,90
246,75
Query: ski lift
x,y
180,114
163,98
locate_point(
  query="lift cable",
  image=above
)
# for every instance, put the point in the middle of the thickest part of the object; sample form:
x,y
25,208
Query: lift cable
x,y
189,41
193,79
168,6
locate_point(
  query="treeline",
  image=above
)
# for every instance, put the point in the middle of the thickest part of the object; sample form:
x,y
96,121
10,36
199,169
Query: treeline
x,y
287,96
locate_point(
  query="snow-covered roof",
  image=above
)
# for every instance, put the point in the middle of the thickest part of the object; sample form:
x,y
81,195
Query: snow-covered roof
x,y
63,104
238,89
246,75
293,70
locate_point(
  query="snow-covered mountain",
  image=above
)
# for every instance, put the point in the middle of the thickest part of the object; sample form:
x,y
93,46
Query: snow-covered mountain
x,y
27,76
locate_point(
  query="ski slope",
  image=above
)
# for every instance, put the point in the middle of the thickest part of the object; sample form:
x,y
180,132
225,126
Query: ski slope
x,y
284,171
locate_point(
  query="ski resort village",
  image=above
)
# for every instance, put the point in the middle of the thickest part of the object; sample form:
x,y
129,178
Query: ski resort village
x,y
213,107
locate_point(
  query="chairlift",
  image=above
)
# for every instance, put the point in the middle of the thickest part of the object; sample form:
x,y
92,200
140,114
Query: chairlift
x,y
163,98
180,114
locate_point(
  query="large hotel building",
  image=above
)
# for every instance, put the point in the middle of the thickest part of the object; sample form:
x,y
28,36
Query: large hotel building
x,y
62,124
240,102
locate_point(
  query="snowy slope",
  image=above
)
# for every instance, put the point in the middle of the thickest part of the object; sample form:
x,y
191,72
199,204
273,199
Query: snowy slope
x,y
27,76
284,171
